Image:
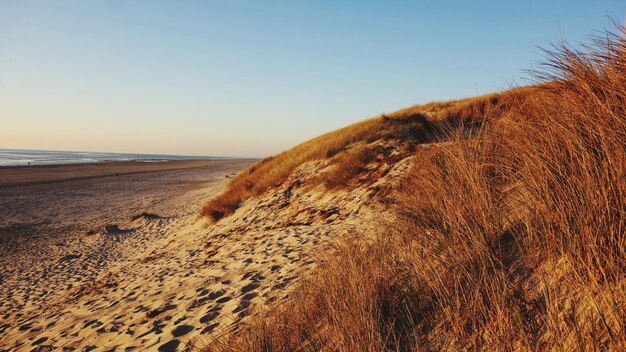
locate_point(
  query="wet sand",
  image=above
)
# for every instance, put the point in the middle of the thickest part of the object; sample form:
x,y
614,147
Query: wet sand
x,y
12,176
60,201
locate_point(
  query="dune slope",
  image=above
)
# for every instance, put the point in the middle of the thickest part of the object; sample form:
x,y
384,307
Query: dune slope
x,y
508,232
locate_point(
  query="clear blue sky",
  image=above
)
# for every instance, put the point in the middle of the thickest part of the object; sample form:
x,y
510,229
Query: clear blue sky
x,y
252,78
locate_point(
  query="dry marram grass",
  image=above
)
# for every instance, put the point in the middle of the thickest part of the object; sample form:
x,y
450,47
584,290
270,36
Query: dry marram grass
x,y
271,172
512,236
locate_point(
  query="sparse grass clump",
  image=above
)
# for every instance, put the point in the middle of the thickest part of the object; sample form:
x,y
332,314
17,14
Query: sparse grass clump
x,y
512,237
347,166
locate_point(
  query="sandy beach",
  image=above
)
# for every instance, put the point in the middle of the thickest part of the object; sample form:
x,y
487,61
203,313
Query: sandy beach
x,y
56,201
121,263
63,226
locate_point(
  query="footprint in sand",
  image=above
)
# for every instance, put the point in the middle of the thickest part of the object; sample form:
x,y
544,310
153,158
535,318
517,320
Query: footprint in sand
x,y
182,330
155,312
209,317
39,341
281,285
169,346
253,276
249,296
243,305
249,287
224,299
209,328
216,294
180,320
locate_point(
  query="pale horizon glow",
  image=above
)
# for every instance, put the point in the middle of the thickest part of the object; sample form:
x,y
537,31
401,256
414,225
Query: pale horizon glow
x,y
250,79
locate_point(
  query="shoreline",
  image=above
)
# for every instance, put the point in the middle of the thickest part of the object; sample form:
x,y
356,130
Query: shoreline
x,y
32,175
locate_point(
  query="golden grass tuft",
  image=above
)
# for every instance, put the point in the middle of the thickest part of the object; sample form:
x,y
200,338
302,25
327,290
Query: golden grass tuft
x,y
348,166
512,237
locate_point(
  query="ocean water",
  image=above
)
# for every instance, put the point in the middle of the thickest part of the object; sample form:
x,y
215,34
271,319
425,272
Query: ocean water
x,y
17,157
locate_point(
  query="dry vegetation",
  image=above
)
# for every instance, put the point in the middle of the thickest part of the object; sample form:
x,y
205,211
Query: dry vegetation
x,y
348,166
271,172
410,125
512,237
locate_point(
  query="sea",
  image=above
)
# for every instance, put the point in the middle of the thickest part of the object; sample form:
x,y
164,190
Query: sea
x,y
20,157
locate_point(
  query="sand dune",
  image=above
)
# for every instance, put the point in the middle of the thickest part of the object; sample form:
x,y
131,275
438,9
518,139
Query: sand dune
x,y
164,280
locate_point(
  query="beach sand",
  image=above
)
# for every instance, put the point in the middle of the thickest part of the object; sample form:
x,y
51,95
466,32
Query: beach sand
x,y
62,227
56,201
79,273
